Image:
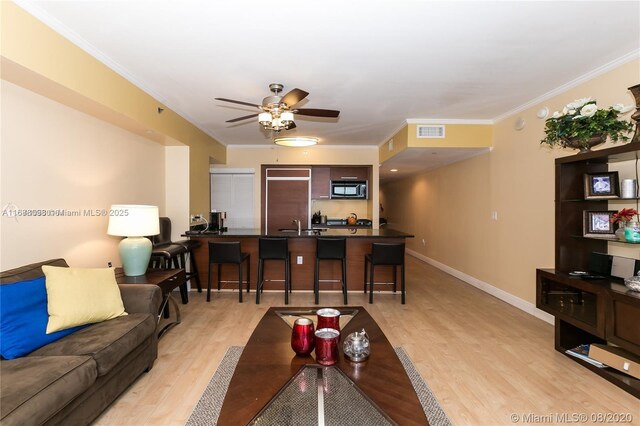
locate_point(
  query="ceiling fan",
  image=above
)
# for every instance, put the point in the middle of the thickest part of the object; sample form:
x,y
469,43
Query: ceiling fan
x,y
278,111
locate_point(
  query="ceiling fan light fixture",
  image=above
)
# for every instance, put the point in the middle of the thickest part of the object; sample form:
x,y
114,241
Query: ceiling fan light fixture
x,y
276,111
264,118
276,124
297,141
286,118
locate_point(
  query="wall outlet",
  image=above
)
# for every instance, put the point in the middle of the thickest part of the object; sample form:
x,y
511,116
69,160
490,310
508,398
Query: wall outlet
x,y
423,242
109,265
299,260
494,215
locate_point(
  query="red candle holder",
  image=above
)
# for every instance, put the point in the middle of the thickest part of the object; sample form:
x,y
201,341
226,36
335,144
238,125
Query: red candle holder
x,y
327,346
302,337
328,318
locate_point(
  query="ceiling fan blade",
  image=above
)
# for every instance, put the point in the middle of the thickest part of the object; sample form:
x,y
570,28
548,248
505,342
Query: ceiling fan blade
x,y
314,112
294,96
233,120
237,102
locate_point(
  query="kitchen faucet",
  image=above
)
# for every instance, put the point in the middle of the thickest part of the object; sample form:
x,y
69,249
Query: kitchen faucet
x,y
297,222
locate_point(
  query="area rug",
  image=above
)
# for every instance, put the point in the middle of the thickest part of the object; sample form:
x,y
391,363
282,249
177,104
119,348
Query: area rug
x,y
208,407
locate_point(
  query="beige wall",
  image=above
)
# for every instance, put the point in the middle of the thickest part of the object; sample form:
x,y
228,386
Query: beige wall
x,y
254,157
456,135
450,208
177,189
36,57
54,157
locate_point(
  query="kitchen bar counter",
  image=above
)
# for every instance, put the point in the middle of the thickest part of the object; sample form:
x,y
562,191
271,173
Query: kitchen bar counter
x,y
302,247
355,232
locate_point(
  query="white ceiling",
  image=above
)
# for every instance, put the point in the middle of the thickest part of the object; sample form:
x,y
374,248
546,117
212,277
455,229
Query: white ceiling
x,y
379,62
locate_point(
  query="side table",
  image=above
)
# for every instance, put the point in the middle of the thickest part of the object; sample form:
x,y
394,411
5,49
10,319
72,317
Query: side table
x,y
167,280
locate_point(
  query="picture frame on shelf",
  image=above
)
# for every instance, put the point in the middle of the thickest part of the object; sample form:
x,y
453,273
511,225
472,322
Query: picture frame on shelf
x,y
601,186
599,224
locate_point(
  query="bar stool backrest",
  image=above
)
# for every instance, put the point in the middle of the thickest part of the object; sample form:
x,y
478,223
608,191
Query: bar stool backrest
x,y
273,248
331,248
225,252
164,237
387,253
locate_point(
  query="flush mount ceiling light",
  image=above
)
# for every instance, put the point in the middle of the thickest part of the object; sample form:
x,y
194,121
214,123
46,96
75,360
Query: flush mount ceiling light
x,y
278,111
297,141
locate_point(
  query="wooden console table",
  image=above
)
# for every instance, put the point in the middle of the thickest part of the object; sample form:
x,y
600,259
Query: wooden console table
x,y
167,280
592,311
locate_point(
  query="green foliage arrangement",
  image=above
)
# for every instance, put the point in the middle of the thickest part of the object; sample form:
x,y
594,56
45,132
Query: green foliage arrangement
x,y
582,120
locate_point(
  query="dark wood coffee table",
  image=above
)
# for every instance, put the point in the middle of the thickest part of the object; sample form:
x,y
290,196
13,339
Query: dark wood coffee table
x,y
268,363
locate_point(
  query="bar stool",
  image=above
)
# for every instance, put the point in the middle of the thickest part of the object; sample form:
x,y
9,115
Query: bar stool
x,y
388,254
166,255
189,246
228,252
330,249
274,249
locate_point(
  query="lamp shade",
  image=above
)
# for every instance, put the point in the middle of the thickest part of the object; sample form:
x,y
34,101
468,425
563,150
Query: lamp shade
x,y
264,118
286,116
130,220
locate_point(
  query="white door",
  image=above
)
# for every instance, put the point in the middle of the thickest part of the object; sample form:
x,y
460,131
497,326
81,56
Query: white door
x,y
233,193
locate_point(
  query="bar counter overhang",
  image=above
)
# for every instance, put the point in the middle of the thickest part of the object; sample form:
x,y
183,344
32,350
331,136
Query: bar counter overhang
x,y
303,244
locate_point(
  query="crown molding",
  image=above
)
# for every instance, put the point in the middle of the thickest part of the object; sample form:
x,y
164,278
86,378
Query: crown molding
x,y
448,121
392,134
319,146
93,51
634,54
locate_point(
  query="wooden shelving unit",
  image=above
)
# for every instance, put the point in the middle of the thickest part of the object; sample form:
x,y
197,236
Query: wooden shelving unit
x,y
588,311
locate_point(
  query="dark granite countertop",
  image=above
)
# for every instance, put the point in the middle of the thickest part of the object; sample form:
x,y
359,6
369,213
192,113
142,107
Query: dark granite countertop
x,y
329,232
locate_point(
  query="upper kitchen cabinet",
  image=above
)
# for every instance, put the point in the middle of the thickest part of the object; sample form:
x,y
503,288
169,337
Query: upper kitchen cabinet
x,y
349,173
321,177
320,183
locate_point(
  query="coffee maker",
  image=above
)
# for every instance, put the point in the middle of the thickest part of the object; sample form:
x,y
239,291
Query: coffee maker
x,y
216,221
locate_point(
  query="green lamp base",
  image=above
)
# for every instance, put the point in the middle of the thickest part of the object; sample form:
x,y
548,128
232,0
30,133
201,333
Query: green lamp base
x,y
135,253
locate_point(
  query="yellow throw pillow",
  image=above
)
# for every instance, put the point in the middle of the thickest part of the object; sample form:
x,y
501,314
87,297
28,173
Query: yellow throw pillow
x,y
77,296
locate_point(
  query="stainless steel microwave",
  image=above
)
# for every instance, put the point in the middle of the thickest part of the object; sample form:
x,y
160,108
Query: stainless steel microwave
x,y
353,189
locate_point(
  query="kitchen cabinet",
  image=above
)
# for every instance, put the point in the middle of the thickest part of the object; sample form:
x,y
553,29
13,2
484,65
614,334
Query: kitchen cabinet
x,y
321,178
320,182
349,173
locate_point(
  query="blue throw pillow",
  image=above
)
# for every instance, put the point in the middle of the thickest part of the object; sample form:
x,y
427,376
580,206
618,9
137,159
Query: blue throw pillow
x,y
23,318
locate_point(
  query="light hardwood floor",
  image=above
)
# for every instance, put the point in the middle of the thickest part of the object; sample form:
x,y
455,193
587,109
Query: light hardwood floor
x,y
484,360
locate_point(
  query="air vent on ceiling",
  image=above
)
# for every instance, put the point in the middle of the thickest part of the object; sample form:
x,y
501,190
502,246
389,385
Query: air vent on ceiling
x,y
429,131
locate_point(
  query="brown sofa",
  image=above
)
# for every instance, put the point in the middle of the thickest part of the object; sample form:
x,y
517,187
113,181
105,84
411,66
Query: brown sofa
x,y
72,380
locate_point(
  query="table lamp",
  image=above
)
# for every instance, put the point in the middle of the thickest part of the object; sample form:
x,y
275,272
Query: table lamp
x,y
134,222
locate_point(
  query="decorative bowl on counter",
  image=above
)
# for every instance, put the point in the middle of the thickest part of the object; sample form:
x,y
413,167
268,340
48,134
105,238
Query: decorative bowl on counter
x,y
633,283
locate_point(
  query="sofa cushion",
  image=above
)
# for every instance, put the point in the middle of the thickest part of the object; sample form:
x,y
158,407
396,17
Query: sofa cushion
x,y
35,388
78,296
107,342
23,318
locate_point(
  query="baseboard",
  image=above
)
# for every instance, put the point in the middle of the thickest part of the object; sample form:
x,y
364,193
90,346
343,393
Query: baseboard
x,y
509,298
